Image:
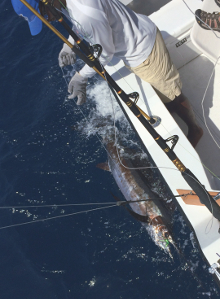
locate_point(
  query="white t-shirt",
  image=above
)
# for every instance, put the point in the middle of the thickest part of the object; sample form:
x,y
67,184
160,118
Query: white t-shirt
x,y
120,31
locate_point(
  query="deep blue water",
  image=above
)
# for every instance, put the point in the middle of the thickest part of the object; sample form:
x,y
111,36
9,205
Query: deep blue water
x,y
102,254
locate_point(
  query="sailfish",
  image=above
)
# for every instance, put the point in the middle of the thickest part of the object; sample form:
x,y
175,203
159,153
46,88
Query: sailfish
x,y
145,205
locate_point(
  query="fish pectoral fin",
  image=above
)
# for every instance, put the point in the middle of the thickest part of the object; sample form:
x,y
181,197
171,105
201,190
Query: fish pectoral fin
x,y
103,166
137,216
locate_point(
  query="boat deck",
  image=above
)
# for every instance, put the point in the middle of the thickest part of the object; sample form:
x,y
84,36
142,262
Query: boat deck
x,y
196,77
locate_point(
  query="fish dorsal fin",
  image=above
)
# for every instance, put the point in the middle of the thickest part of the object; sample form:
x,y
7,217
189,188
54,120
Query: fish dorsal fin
x,y
103,166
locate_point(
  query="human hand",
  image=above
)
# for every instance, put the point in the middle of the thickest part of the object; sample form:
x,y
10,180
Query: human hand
x,y
66,56
77,88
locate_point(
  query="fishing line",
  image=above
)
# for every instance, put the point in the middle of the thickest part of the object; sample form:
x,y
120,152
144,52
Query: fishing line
x,y
62,5
56,217
118,203
113,204
203,111
85,117
56,206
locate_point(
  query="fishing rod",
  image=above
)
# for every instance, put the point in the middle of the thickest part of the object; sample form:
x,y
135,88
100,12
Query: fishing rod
x,y
87,55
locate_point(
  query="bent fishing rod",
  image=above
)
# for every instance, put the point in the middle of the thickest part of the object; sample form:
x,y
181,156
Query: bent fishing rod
x,y
86,53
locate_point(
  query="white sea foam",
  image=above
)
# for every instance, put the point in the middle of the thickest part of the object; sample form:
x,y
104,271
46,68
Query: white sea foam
x,y
106,104
105,116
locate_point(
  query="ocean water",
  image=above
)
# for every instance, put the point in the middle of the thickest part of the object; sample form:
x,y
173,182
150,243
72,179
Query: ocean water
x,y
49,150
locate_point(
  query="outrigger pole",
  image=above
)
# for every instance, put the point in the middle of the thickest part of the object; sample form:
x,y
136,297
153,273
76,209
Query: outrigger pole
x,y
146,121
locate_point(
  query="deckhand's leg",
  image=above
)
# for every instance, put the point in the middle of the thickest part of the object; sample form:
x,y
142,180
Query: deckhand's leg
x,y
183,108
159,70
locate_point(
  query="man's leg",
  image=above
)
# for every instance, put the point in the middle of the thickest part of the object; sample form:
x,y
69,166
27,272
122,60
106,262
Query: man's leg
x,y
160,72
183,108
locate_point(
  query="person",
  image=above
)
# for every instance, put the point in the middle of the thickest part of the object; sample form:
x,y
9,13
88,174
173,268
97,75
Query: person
x,y
121,32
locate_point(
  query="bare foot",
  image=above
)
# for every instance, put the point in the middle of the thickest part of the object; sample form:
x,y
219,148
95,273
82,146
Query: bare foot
x,y
194,135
